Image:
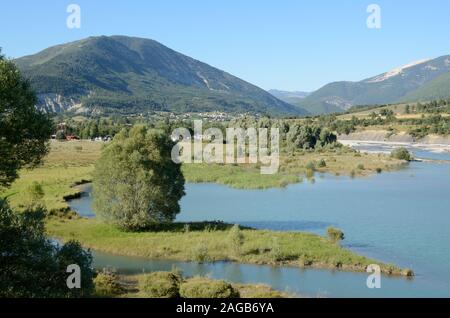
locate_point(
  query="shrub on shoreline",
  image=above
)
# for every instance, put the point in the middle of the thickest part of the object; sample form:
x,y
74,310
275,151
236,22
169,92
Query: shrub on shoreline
x,y
322,163
200,287
200,253
106,284
161,285
335,235
401,154
236,240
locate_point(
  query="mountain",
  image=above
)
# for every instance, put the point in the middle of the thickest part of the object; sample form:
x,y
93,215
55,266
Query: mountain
x,y
131,75
288,97
420,81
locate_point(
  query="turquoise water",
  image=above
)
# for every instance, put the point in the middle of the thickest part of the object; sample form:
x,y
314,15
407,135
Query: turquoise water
x,y
312,283
401,217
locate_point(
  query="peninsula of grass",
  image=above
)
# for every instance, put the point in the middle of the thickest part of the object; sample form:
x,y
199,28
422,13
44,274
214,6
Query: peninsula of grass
x,y
212,242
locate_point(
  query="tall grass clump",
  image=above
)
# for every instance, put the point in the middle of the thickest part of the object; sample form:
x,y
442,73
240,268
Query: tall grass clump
x,y
275,250
200,287
201,254
161,285
335,235
35,193
322,163
236,240
107,284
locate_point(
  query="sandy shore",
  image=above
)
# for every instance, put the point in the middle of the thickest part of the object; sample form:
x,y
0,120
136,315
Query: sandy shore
x,y
436,148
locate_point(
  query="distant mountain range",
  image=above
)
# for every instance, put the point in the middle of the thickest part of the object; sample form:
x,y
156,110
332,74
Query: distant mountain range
x,y
130,75
420,81
288,97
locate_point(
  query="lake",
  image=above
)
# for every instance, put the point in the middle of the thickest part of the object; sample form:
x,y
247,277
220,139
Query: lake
x,y
400,217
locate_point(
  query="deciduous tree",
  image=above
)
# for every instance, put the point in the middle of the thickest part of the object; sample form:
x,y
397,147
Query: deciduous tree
x,y
136,183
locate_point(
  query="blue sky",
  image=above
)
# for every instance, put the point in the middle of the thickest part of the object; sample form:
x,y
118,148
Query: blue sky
x,y
284,44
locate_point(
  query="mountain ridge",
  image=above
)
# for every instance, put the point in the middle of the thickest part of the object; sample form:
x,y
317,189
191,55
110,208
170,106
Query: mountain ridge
x,y
419,81
132,75
288,96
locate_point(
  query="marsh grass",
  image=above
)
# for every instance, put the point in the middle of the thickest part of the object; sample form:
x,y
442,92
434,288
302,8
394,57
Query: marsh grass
x,y
293,167
259,247
66,165
107,284
70,163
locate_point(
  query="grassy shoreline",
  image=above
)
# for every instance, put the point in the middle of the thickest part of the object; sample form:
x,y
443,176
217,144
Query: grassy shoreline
x,y
132,288
209,242
70,163
67,164
294,169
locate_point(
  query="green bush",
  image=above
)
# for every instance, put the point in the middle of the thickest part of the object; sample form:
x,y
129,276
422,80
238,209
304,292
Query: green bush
x,y
107,284
408,272
322,163
401,154
335,235
31,265
201,287
360,166
161,285
200,253
310,166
